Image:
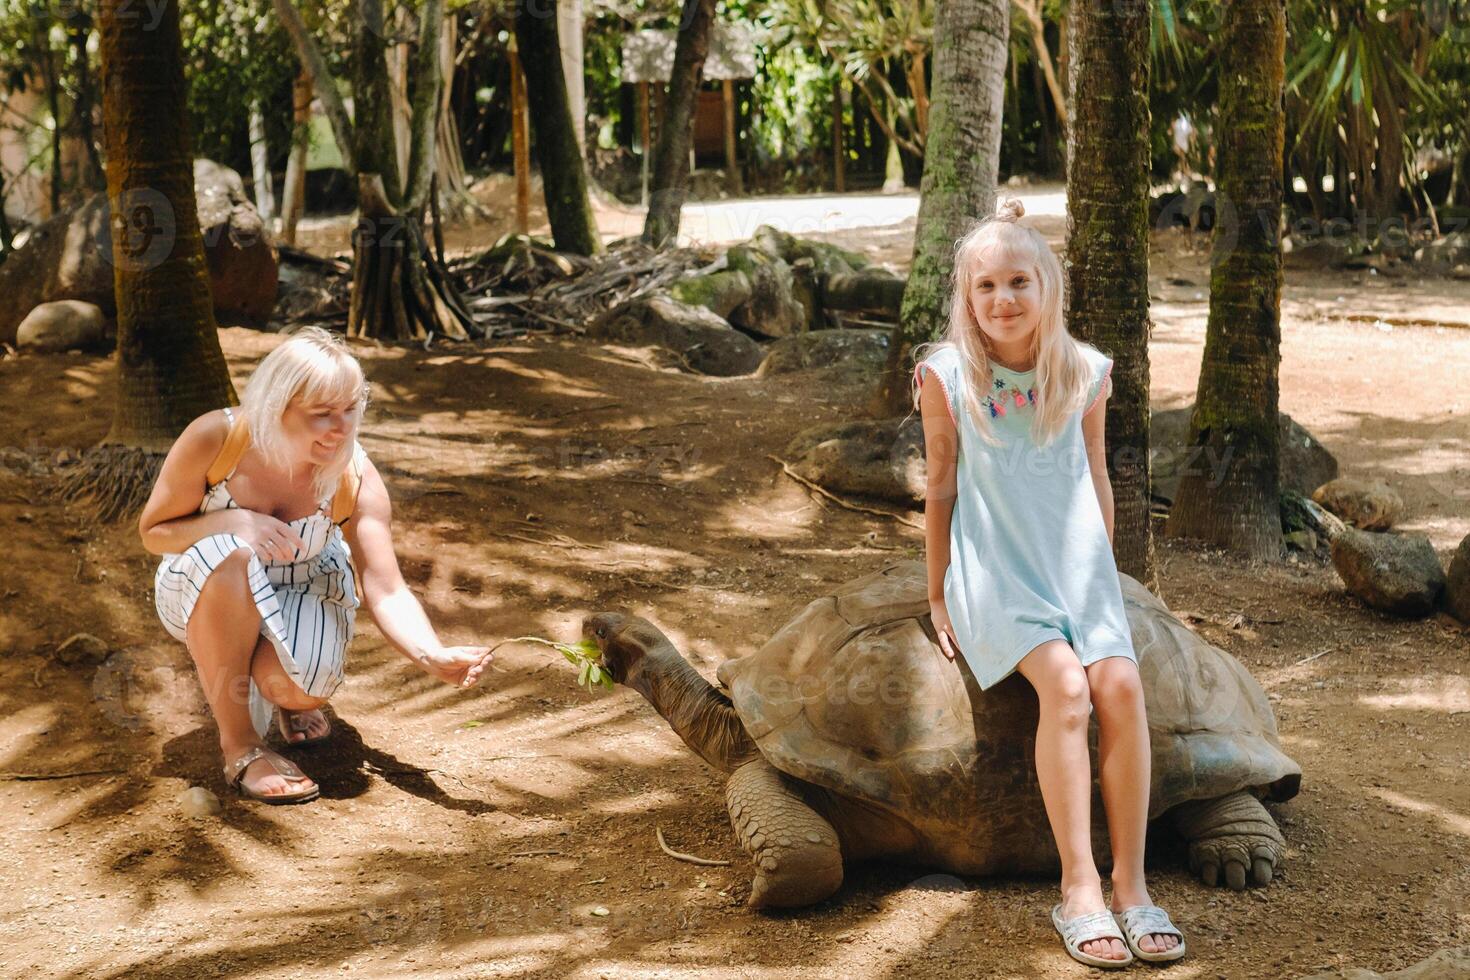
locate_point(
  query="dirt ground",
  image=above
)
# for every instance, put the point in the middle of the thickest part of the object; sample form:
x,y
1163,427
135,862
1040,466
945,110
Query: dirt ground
x,y
509,831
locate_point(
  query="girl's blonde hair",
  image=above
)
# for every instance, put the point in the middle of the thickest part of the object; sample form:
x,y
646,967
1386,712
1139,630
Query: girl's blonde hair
x,y
315,368
1062,373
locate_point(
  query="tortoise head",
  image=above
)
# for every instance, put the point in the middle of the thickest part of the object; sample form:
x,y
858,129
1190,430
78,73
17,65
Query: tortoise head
x,y
625,642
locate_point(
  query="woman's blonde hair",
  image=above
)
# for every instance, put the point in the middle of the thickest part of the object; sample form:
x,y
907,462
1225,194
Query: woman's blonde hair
x,y
315,368
1062,373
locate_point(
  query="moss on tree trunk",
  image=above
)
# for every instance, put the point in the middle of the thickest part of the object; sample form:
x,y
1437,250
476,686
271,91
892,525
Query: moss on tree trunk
x,y
961,163
558,151
670,182
1236,405
1107,244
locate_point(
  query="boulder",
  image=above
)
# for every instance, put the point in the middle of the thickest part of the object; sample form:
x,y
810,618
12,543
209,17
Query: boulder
x,y
881,459
1447,964
70,257
862,352
66,324
705,342
1457,583
873,290
1396,573
772,310
719,292
1305,463
826,258
1369,505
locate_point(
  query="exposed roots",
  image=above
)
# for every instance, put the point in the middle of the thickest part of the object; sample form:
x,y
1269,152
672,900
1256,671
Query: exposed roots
x,y
116,480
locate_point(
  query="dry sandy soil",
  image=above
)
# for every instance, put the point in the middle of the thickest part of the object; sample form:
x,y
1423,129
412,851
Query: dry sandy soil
x,y
509,830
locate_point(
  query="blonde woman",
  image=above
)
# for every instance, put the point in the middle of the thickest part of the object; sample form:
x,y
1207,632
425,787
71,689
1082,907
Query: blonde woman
x,y
266,516
1018,534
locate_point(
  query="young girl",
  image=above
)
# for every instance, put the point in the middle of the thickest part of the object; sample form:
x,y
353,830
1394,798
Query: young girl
x,y
257,577
1018,532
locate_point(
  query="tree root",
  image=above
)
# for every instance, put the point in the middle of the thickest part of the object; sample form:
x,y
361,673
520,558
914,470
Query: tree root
x,y
115,479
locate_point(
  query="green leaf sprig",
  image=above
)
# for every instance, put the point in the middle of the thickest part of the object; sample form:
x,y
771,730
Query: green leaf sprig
x,y
583,655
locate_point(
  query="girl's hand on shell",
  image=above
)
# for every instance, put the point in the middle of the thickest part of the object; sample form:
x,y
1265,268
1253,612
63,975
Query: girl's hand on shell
x,y
460,666
939,613
269,538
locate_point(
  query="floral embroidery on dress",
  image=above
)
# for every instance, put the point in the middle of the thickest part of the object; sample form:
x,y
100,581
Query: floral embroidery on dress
x,y
1006,392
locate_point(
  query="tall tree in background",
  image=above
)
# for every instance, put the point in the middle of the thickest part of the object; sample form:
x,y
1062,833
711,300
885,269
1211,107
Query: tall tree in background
x,y
961,166
1235,411
670,182
170,368
399,288
1107,243
558,150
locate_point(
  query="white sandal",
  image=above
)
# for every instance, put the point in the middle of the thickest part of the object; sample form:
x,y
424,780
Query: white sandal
x,y
1085,929
235,778
1149,920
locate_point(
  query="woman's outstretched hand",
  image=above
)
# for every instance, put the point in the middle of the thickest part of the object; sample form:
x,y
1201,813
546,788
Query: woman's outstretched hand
x,y
460,666
939,613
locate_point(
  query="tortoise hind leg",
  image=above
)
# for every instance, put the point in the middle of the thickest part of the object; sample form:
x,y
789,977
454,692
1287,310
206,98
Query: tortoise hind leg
x,y
1233,833
798,860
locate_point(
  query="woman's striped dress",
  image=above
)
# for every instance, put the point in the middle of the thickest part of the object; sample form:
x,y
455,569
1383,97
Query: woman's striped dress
x,y
307,605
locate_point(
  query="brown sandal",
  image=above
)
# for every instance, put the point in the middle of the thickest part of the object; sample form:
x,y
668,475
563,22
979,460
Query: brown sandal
x,y
235,774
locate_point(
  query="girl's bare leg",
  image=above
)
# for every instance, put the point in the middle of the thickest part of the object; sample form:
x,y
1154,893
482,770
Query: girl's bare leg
x,y
1065,773
1124,769
279,689
222,637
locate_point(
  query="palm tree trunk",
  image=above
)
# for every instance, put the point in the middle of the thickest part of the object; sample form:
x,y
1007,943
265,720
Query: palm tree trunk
x,y
1107,244
170,366
961,166
1235,413
671,159
558,151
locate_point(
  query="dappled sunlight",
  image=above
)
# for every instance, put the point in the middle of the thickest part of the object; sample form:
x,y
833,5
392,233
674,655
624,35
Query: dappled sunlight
x,y
1448,819
1443,694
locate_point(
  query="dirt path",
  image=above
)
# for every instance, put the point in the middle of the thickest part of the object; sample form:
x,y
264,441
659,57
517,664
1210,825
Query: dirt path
x,y
486,833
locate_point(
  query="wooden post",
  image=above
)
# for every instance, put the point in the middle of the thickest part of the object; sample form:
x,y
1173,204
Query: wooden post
x,y
520,141
839,153
732,163
294,196
643,128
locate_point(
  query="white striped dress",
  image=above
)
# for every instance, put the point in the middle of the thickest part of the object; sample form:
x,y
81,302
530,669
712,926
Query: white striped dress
x,y
307,605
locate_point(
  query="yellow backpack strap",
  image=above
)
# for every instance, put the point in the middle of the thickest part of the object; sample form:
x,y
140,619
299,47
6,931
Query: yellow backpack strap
x,y
344,501
237,440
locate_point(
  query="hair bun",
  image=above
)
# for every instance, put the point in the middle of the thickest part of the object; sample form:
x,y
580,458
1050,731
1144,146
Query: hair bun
x,y
1010,210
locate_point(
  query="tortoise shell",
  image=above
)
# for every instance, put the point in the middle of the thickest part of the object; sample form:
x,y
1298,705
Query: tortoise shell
x,y
854,697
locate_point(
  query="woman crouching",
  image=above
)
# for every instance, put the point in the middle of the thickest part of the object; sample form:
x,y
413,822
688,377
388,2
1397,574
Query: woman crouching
x,y
261,515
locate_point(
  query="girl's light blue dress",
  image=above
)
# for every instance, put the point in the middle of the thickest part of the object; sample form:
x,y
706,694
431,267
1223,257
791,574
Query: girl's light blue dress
x,y
1029,558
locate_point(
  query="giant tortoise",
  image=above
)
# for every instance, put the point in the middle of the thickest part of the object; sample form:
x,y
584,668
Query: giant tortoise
x,y
849,736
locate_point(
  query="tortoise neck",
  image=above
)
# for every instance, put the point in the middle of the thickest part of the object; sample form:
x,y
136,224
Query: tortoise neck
x,y
701,715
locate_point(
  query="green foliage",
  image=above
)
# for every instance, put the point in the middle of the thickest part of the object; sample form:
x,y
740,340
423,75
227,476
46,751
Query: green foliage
x,y
583,655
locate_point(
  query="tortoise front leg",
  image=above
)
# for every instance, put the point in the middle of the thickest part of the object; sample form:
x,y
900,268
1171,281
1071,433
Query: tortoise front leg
x,y
798,860
1234,833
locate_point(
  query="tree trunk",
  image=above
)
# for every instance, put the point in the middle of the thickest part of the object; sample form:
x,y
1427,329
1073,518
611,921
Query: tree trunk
x,y
671,159
569,30
260,165
558,151
1235,413
1107,245
293,202
170,366
95,177
961,165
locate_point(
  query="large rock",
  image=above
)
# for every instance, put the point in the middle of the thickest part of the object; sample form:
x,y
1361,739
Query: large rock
x,y
1447,964
70,257
1370,505
1397,573
882,459
1305,463
1457,583
826,258
872,290
860,352
705,342
66,324
719,292
772,310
